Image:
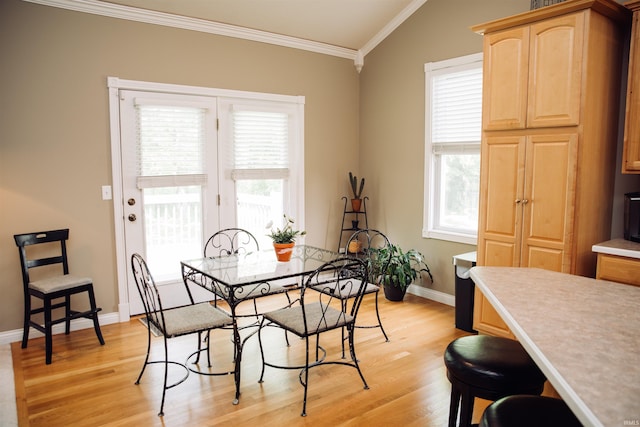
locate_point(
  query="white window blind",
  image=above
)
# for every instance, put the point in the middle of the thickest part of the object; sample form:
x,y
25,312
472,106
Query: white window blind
x,y
171,141
453,128
456,112
261,144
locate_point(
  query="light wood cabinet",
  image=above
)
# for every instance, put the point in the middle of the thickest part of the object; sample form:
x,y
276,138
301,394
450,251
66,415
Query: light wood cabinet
x,y
550,114
631,152
618,269
618,261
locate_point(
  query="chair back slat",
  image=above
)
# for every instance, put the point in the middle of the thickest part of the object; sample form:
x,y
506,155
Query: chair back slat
x,y
230,241
42,237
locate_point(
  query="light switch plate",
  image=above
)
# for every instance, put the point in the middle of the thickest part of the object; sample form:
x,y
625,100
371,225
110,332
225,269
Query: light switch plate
x,y
106,192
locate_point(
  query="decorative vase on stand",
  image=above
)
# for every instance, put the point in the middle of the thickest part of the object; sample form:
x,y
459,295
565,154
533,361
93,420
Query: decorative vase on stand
x,y
284,251
355,204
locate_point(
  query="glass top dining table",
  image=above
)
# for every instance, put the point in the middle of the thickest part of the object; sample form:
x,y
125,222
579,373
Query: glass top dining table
x,y
247,276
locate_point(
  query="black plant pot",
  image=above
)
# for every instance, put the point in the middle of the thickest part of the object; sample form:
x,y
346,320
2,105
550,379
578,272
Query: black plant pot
x,y
394,293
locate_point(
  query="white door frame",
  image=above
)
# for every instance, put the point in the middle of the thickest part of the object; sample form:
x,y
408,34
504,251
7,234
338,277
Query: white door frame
x,y
116,84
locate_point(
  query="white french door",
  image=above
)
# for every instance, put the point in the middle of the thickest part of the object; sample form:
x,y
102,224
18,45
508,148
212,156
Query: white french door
x,y
188,161
170,186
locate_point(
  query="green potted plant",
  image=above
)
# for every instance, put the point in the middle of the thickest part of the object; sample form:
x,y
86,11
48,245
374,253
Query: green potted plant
x,y
284,239
402,268
357,192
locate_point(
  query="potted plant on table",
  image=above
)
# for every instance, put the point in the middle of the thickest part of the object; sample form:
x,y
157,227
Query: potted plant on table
x,y
284,239
402,268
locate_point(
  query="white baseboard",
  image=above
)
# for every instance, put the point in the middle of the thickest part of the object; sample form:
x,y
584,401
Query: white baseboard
x,y
8,337
432,295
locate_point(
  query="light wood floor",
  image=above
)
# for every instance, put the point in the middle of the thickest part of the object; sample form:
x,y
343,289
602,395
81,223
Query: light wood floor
x,y
90,385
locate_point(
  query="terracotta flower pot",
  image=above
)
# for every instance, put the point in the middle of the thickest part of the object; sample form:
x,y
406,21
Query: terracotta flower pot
x,y
284,251
355,204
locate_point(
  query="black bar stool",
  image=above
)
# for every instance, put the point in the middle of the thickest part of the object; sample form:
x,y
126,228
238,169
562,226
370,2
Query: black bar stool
x,y
528,411
489,368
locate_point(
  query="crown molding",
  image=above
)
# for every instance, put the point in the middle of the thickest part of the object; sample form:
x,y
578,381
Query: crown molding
x,y
113,10
391,26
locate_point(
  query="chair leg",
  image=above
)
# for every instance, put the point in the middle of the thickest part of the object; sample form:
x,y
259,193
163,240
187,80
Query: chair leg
x,y
453,406
27,318
261,350
48,335
352,351
146,359
378,316
166,376
67,313
306,376
344,310
94,309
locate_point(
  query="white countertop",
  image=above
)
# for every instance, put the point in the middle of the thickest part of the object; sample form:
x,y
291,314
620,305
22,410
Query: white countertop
x,y
619,247
583,333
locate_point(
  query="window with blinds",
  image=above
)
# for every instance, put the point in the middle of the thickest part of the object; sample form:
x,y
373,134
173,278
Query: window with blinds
x,y
263,178
171,144
260,144
452,148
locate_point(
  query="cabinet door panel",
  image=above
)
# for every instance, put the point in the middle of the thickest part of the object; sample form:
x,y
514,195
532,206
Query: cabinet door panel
x,y
631,153
548,259
505,79
555,72
550,183
486,319
502,179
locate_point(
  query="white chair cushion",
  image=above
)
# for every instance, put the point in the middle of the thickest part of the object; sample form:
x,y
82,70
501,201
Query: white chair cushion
x,y
58,283
193,318
320,318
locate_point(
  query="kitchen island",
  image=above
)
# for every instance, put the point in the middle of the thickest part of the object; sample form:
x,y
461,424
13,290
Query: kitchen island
x,y
583,333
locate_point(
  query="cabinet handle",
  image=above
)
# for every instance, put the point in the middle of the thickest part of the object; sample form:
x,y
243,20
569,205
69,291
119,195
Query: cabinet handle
x,y
518,201
525,201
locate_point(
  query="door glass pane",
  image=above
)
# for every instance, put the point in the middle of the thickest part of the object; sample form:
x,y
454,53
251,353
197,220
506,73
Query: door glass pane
x,y
259,201
173,228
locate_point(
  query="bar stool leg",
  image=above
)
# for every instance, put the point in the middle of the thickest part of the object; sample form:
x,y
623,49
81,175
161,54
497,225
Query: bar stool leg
x,y
453,407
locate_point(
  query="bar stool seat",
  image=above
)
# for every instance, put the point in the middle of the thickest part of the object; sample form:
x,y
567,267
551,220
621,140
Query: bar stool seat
x,y
489,368
528,411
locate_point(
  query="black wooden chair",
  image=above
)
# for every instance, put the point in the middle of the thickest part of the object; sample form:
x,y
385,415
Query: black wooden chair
x,y
176,322
51,286
315,315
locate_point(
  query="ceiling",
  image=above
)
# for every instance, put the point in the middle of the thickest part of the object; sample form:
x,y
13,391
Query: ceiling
x,y
350,24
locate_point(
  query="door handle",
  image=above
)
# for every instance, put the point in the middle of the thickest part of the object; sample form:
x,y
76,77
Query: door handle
x,y
132,217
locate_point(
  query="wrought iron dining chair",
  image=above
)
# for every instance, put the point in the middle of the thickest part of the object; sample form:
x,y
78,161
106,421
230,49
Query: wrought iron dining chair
x,y
235,241
364,244
175,322
230,241
51,288
315,315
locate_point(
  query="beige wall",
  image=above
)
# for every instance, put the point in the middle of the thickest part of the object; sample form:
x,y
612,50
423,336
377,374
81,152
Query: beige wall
x,y
54,125
392,118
